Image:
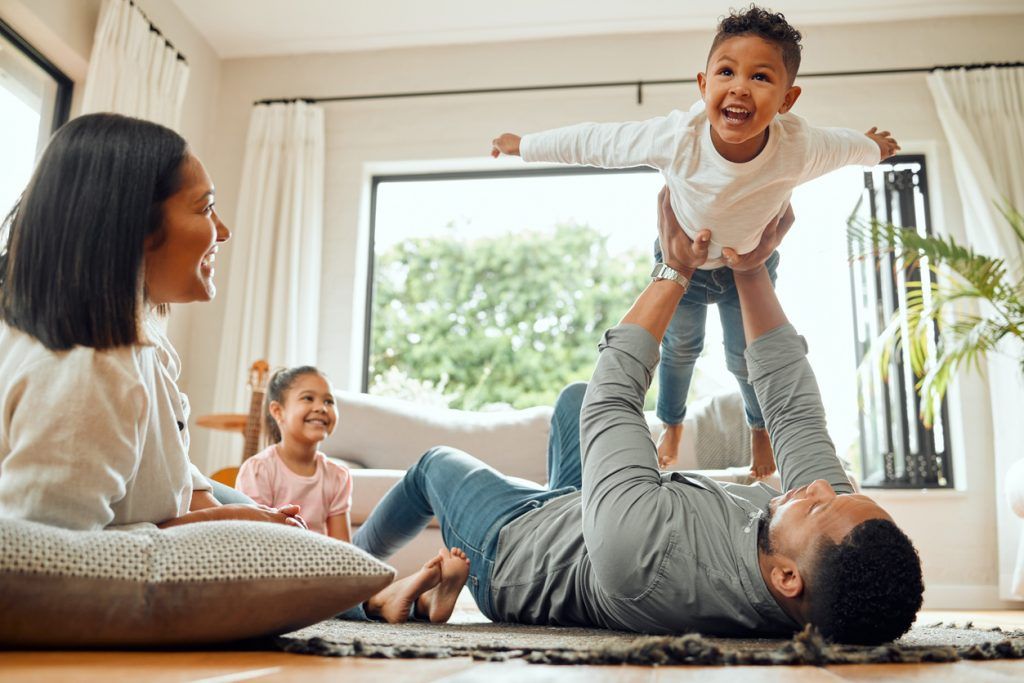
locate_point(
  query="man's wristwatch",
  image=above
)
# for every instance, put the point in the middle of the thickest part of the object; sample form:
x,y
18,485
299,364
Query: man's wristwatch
x,y
664,272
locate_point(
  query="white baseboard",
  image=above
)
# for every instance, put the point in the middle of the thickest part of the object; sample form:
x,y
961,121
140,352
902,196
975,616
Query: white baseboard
x,y
959,596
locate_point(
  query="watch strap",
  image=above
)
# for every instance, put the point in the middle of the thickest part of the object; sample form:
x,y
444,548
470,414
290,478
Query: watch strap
x,y
665,272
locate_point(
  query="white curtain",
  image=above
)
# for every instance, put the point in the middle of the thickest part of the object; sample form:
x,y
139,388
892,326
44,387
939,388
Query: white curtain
x,y
273,296
982,114
132,69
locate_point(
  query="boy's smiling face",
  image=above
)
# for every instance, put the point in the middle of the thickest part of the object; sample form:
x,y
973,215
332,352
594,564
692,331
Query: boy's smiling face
x,y
746,85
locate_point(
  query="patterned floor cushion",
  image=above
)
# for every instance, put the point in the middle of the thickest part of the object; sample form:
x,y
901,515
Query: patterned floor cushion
x,y
198,583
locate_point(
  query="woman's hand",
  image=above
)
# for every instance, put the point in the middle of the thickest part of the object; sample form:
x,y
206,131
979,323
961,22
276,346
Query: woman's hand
x,y
678,251
286,514
771,238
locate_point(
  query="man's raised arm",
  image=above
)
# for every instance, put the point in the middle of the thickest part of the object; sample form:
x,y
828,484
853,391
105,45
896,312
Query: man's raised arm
x,y
777,368
626,510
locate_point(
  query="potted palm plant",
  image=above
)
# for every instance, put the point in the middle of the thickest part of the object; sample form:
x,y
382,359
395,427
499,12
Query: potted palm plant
x,y
941,332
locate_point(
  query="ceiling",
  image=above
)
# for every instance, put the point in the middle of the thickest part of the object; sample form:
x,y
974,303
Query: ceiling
x,y
250,28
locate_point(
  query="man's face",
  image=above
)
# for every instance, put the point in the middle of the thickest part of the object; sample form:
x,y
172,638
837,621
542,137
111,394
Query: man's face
x,y
801,517
745,86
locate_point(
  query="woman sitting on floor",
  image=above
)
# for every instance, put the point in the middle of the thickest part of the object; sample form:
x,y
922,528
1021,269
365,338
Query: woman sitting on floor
x,y
117,222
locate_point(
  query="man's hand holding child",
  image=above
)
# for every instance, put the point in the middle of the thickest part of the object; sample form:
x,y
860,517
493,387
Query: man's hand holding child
x,y
678,250
771,238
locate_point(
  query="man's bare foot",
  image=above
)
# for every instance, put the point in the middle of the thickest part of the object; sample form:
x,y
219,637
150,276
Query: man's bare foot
x,y
762,460
668,445
392,604
438,603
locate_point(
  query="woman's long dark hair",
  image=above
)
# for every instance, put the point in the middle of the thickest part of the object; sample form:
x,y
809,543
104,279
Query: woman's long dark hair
x,y
71,260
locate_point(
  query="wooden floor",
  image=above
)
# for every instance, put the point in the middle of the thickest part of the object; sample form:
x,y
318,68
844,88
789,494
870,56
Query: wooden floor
x,y
266,667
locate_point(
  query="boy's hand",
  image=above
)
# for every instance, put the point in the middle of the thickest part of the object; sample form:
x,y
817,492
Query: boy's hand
x,y
885,142
677,249
506,143
770,239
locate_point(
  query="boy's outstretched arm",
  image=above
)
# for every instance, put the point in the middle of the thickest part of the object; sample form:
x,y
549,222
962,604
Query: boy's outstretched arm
x,y
652,142
506,143
886,142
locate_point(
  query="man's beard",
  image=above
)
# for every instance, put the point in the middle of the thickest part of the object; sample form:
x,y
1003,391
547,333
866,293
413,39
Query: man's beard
x,y
764,541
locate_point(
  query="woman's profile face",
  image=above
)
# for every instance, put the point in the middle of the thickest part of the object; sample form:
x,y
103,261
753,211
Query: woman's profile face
x,y
179,257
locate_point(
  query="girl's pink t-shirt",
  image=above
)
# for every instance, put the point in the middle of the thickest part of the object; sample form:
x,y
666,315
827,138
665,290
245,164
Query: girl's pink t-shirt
x,y
328,493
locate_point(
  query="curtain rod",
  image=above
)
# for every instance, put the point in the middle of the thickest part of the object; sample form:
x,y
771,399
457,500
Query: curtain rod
x,y
639,85
154,29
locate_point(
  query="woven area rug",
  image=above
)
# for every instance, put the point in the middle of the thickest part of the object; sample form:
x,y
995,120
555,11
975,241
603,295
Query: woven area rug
x,y
559,645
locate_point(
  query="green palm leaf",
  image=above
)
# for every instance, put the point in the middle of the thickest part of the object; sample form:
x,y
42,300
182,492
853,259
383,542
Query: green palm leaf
x,y
936,327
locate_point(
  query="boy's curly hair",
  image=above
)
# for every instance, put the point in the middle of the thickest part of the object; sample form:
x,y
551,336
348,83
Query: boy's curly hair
x,y
767,25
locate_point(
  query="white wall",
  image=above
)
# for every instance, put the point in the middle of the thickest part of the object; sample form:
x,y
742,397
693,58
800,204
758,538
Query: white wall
x,y
955,531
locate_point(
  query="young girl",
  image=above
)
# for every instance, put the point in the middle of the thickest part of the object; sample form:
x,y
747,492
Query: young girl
x,y
299,414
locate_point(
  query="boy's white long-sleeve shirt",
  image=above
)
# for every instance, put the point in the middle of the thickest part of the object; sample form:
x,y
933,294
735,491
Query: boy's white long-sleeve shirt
x,y
91,439
733,200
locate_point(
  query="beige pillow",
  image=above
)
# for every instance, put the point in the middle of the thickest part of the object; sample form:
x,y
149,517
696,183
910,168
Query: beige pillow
x,y
198,583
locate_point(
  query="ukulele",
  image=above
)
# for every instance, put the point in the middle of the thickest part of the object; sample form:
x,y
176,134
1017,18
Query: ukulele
x,y
253,432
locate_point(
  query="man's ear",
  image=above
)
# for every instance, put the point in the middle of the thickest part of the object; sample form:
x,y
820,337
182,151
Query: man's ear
x,y
786,578
792,95
702,83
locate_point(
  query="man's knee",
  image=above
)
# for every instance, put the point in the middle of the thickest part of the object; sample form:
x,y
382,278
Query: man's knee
x,y
571,395
434,457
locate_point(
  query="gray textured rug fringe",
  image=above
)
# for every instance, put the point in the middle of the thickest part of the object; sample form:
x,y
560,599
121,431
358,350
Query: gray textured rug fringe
x,y
806,648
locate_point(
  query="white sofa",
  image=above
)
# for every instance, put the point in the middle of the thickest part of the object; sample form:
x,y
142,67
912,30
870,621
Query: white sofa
x,y
380,437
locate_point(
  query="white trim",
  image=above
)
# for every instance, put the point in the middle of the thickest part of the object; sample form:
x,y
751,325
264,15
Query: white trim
x,y
955,596
915,495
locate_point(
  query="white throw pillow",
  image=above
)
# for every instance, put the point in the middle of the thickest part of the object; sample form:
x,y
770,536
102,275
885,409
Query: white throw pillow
x,y
198,583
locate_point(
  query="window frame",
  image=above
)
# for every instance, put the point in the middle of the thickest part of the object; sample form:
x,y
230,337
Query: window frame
x,y
65,86
913,472
377,180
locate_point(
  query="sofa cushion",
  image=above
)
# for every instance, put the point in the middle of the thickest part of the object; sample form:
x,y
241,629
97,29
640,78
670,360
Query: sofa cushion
x,y
388,433
198,583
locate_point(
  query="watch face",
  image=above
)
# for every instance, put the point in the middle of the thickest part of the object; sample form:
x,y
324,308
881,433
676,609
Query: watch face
x,y
665,272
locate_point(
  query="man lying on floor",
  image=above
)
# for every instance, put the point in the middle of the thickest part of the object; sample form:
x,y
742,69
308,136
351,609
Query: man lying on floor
x,y
622,545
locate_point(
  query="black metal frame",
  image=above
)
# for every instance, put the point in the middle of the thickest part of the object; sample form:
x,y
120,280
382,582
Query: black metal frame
x,y
638,84
62,103
928,467
448,175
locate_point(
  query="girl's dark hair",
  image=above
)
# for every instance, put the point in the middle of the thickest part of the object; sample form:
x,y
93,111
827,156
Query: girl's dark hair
x,y
280,382
71,249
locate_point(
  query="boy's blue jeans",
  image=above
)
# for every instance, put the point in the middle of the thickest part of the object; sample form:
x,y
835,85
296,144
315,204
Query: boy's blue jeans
x,y
684,341
472,501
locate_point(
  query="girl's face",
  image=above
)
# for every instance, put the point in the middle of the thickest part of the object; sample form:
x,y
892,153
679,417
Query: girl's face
x,y
307,415
179,256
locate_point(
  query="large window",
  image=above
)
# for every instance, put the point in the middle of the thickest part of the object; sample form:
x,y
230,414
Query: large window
x,y
492,289
34,101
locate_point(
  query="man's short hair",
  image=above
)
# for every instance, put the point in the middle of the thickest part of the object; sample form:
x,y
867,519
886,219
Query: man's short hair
x,y
866,589
766,25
